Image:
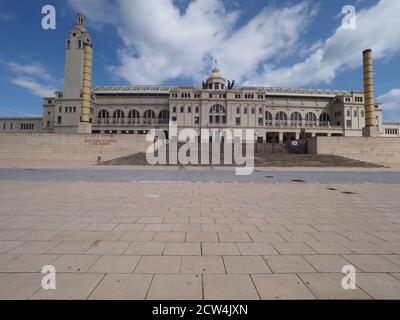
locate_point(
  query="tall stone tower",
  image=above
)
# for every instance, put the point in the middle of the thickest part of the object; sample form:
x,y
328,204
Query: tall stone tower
x,y
370,129
77,80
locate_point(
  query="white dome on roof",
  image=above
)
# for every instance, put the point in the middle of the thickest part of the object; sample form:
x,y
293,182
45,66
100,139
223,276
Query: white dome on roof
x,y
216,76
215,80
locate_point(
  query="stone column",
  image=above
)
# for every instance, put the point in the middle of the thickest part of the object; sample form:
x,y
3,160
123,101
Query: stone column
x,y
280,137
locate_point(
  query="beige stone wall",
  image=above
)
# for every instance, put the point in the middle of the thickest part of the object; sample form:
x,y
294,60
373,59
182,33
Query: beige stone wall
x,y
385,151
80,148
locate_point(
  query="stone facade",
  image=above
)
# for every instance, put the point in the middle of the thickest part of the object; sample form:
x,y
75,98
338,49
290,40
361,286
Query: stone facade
x,y
60,148
384,151
13,125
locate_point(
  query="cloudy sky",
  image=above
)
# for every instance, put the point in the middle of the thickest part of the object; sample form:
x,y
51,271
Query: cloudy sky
x,y
256,42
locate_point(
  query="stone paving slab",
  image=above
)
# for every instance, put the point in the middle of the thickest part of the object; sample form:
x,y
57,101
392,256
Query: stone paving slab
x,y
122,287
176,287
19,285
328,286
179,240
229,287
71,286
281,286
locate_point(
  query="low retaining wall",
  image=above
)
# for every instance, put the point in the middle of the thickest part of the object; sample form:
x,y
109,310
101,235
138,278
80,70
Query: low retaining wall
x,y
383,151
82,148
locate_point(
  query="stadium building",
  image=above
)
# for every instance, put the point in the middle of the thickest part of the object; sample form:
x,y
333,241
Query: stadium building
x,y
276,114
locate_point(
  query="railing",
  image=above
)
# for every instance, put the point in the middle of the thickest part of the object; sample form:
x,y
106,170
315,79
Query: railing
x,y
276,124
298,124
131,122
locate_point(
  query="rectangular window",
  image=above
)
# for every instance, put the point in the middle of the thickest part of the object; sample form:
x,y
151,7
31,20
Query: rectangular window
x,y
238,121
355,113
245,110
253,111
260,121
173,109
348,123
238,110
197,110
182,109
59,120
260,110
190,109
196,120
174,119
210,95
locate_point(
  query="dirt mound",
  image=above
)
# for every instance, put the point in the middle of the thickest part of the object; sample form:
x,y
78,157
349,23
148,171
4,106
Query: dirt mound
x,y
264,160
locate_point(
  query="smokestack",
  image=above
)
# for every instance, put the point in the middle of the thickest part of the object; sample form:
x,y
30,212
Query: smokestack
x,y
87,83
369,101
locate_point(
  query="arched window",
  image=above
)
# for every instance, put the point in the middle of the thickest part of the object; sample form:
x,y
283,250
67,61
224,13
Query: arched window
x,y
118,114
133,114
296,118
163,116
268,118
149,114
324,118
103,114
281,118
217,114
311,119
217,109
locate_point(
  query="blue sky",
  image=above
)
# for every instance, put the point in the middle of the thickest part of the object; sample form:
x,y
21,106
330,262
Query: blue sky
x,y
267,43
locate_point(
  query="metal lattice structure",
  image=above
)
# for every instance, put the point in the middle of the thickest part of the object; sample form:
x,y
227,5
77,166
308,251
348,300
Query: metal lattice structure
x,y
269,91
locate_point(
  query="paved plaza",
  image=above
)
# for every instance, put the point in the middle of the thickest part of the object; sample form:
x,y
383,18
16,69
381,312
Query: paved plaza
x,y
115,237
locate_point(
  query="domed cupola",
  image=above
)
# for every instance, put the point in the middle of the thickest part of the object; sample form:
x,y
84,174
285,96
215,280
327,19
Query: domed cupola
x,y
215,81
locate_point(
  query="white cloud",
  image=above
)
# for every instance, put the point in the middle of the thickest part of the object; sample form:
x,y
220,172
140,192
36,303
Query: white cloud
x,y
161,43
35,87
34,69
271,35
12,112
391,100
33,77
376,29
